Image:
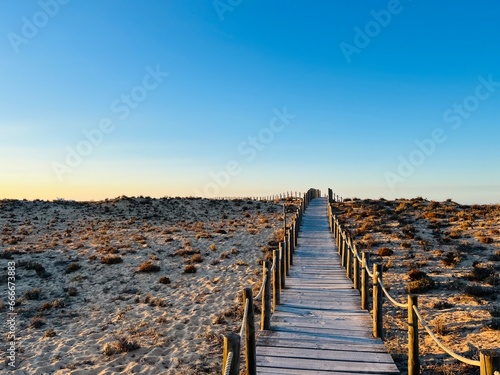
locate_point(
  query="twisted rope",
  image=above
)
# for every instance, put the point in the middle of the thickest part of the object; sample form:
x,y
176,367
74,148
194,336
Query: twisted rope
x,y
245,315
368,271
394,302
261,288
274,265
441,345
229,362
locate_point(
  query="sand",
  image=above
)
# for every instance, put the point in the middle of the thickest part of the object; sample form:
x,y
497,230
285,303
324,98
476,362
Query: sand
x,y
458,249
77,315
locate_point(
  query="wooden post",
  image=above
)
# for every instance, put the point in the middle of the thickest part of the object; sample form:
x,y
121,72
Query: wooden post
x,y
348,266
265,316
284,217
231,345
413,359
295,229
287,256
276,279
338,239
364,282
345,250
356,268
377,303
250,349
282,266
489,362
342,249
290,250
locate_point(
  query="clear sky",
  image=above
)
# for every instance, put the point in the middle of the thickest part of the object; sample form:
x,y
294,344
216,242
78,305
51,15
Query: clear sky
x,y
101,98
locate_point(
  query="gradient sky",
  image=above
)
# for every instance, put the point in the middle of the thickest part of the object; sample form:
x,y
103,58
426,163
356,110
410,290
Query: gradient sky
x,y
186,98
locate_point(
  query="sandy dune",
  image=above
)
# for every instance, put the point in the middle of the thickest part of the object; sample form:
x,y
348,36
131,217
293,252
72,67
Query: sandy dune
x,y
83,307
450,255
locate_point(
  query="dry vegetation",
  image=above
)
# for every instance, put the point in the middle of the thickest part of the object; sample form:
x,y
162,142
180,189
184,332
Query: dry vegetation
x,y
132,284
448,253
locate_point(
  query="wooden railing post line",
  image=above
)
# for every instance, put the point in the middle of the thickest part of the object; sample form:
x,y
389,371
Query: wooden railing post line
x,y
231,345
265,319
250,348
413,359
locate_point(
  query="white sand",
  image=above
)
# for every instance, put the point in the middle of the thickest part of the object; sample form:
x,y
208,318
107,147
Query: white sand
x,y
176,337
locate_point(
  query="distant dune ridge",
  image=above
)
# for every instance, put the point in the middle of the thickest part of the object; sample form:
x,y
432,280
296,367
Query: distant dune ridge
x,y
148,286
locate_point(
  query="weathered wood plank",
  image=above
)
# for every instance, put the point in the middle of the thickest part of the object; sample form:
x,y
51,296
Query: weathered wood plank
x,y
324,354
325,365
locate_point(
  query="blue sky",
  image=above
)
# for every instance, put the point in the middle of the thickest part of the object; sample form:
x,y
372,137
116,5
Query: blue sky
x,y
228,98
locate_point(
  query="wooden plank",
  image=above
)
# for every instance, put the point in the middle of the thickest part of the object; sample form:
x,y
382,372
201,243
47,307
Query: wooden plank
x,y
326,365
325,354
314,343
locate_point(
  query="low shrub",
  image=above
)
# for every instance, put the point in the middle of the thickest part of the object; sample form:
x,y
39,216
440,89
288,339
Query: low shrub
x,y
111,259
37,321
485,239
164,280
385,251
33,293
190,269
420,286
450,259
148,267
415,274
72,267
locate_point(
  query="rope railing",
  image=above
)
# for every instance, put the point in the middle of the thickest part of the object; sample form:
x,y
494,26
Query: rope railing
x,y
440,344
489,362
389,297
274,275
245,317
259,295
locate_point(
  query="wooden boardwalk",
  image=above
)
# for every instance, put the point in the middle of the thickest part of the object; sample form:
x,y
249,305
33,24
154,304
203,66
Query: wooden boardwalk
x,y
319,327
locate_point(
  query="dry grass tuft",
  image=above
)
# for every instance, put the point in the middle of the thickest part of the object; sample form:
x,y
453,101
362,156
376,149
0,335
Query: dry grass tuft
x,y
385,252
72,267
190,269
148,267
33,294
164,280
122,345
111,259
